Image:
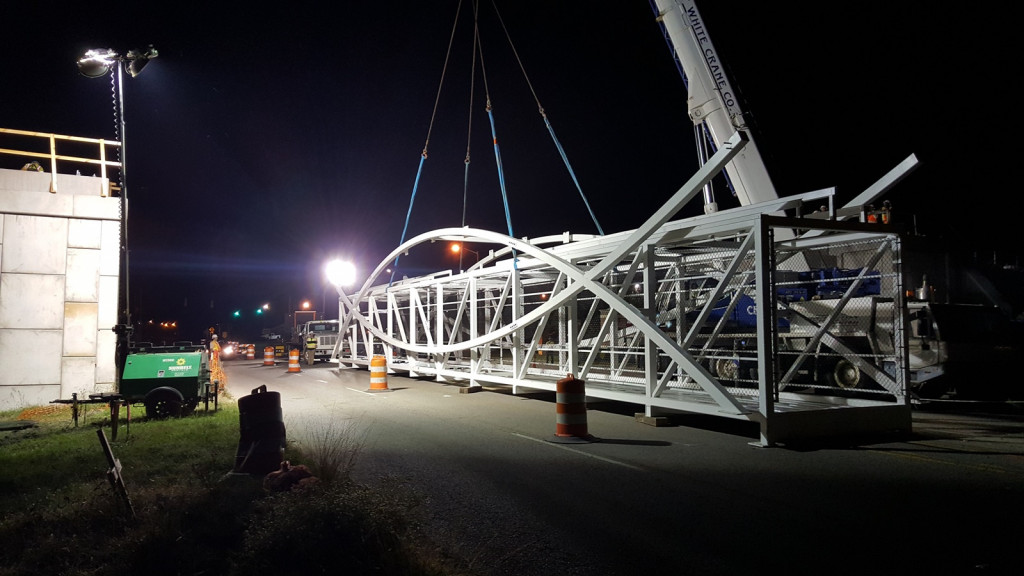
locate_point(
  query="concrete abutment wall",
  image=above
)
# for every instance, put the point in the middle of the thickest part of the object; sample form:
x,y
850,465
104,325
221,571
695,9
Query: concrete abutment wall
x,y
59,268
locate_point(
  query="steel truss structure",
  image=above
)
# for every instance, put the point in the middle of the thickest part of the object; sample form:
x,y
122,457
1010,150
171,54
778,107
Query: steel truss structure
x,y
794,322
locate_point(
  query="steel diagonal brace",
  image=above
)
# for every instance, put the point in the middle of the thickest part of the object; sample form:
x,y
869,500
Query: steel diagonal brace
x,y
534,344
702,316
823,333
612,316
877,374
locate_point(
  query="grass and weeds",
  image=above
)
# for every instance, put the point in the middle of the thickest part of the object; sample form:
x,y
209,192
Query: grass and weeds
x,y
60,515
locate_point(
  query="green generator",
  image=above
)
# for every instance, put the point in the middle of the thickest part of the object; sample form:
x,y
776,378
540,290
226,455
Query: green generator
x,y
168,380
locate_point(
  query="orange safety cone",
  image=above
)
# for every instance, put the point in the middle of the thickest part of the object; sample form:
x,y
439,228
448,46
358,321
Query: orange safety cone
x,y
268,356
571,412
293,360
378,374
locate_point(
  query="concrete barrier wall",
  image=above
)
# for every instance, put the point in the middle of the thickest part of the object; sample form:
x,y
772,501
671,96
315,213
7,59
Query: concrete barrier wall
x,y
59,266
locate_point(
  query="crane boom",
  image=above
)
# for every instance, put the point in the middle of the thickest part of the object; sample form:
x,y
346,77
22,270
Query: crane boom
x,y
711,101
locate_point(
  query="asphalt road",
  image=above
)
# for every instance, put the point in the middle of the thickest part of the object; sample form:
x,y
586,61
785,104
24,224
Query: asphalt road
x,y
696,497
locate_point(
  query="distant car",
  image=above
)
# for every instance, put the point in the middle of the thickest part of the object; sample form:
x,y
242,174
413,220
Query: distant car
x,y
273,336
229,350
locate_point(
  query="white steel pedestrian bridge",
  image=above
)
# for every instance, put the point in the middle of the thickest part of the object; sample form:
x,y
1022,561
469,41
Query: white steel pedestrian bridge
x,y
788,313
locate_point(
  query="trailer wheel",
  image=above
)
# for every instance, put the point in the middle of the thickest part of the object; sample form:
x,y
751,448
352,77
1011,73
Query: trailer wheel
x,y
163,402
845,374
727,368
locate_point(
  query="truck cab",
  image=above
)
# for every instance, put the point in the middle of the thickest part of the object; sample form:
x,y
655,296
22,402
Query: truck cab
x,y
326,334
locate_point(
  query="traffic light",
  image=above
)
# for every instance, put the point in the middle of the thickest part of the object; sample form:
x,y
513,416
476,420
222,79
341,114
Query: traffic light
x,y
259,311
237,314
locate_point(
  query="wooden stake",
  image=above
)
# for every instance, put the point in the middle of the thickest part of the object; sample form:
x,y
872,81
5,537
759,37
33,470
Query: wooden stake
x,y
114,474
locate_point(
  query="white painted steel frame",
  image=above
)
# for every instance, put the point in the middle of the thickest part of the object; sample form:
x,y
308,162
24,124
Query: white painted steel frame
x,y
487,325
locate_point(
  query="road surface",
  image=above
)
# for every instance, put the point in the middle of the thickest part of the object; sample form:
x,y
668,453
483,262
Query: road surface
x,y
696,497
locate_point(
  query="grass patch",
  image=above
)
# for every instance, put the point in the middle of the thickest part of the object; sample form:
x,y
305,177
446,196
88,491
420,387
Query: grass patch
x,y
331,447
60,515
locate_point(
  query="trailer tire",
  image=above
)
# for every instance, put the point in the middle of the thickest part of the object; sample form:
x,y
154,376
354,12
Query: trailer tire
x,y
164,402
844,374
726,368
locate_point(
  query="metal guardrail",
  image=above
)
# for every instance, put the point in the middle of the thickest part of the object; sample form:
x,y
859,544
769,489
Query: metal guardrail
x,y
53,156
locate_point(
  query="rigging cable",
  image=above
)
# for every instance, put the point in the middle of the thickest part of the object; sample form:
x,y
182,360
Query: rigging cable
x,y
497,150
426,143
469,129
703,154
547,123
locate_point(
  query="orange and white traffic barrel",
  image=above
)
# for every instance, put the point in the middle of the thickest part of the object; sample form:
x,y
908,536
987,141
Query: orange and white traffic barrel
x,y
293,360
250,352
268,356
378,373
571,411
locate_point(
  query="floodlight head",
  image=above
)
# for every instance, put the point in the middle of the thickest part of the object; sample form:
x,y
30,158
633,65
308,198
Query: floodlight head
x,y
340,273
137,60
96,63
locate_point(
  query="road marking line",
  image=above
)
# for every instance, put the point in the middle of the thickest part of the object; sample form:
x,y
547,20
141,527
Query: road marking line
x,y
363,392
564,447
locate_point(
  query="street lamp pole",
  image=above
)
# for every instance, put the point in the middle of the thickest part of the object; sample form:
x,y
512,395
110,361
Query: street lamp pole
x,y
459,248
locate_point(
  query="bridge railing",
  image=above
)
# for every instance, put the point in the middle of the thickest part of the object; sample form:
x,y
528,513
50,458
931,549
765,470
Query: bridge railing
x,y
26,144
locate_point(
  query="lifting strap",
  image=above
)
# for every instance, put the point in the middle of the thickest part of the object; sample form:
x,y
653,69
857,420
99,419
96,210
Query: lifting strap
x,y
497,149
547,123
501,173
426,143
494,135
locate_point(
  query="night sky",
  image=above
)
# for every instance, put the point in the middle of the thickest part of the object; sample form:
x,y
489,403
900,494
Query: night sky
x,y
264,141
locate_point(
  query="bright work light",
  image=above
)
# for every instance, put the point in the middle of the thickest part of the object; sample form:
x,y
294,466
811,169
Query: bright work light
x,y
340,273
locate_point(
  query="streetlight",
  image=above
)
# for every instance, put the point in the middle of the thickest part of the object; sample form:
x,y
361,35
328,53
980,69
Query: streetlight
x,y
458,248
96,64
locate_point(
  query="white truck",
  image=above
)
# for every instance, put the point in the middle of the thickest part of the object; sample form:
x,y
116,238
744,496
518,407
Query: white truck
x,y
326,334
